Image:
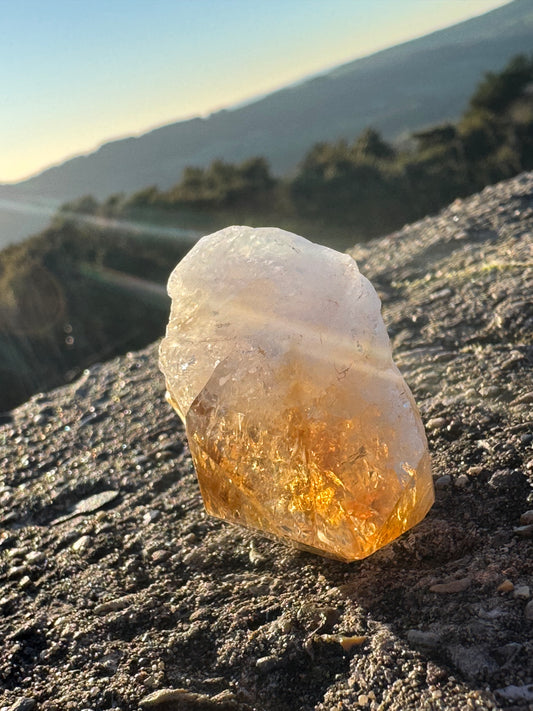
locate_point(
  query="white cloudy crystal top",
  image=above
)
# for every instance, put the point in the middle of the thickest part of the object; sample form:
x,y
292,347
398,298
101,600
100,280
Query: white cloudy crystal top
x,y
244,288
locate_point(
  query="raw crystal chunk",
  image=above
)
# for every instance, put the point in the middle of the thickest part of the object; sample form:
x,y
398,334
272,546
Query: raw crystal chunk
x,y
300,425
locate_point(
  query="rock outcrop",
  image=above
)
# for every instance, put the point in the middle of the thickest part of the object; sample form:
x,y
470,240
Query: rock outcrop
x,y
117,591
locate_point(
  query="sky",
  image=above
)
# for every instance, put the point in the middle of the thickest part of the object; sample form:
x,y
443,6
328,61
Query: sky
x,y
76,74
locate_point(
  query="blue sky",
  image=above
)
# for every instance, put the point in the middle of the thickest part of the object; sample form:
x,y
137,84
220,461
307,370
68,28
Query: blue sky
x,y
77,73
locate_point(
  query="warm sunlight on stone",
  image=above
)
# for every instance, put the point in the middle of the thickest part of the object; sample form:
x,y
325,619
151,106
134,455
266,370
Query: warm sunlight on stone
x,y
300,425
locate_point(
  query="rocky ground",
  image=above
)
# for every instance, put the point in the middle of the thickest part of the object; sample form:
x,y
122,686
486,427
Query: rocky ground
x,y
116,590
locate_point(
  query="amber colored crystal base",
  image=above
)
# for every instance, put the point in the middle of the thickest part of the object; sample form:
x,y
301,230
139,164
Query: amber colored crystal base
x,y
326,484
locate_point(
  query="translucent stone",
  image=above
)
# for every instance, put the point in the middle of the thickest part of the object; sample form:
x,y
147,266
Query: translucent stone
x,y
277,360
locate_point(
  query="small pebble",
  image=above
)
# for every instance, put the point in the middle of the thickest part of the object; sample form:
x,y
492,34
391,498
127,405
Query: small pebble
x,y
490,391
151,516
528,612
266,664
475,470
81,544
160,556
16,571
16,553
345,641
256,558
35,557
443,482
527,518
24,582
462,481
525,531
521,592
119,603
505,587
436,423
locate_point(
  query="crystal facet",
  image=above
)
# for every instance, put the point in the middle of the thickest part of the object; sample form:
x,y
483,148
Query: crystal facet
x,y
299,424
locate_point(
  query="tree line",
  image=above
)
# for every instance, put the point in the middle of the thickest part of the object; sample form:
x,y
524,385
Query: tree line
x,y
365,187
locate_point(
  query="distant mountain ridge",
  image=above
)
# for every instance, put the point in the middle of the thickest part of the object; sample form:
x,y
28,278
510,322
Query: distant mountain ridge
x,y
398,90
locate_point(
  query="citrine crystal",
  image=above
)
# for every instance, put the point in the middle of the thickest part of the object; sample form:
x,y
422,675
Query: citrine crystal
x,y
299,424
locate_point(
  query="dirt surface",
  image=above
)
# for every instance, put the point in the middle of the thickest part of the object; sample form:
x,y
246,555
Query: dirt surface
x,y
116,590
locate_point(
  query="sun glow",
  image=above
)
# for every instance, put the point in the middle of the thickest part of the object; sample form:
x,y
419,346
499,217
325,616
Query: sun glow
x,y
86,74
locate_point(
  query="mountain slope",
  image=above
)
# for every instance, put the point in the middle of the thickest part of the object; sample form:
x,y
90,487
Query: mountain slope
x,y
400,89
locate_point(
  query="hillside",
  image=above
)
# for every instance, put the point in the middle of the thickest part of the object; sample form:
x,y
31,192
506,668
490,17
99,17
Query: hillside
x,y
76,294
401,89
118,592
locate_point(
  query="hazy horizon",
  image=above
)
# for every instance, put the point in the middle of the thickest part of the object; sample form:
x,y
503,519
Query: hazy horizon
x,y
49,117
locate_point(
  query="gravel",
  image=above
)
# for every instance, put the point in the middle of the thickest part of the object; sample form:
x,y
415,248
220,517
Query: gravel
x,y
118,592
